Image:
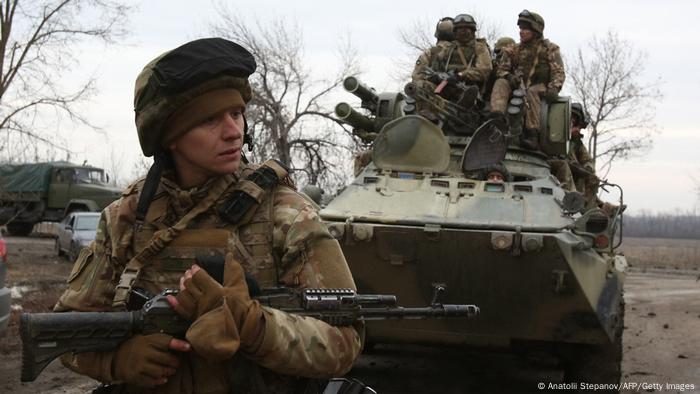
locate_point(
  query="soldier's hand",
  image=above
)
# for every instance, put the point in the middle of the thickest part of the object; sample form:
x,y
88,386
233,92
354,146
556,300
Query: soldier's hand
x,y
199,293
513,81
147,360
247,313
551,94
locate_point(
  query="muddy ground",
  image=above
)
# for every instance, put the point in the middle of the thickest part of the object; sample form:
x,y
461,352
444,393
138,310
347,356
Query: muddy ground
x,y
661,339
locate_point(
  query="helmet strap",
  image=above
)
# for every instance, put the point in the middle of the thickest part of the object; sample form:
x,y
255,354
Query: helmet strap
x,y
160,161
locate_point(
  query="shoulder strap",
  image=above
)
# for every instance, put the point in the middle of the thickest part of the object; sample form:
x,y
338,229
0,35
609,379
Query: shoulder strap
x,y
161,239
249,192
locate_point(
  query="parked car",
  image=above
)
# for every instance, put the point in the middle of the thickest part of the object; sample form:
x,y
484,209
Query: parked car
x,y
4,291
75,232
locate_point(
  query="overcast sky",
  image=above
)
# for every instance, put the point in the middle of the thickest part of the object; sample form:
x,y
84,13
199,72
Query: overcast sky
x,y
668,32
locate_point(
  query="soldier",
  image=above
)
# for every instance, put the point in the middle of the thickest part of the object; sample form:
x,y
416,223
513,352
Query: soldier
x,y
444,36
501,43
536,65
468,57
201,198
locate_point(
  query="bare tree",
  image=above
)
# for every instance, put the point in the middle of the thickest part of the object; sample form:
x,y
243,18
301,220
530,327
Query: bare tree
x,y
38,43
288,117
607,78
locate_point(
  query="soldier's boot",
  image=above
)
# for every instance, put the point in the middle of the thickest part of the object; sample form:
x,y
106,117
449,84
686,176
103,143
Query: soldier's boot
x,y
529,140
469,97
498,120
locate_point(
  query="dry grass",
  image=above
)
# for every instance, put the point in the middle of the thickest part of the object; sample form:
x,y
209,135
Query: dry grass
x,y
681,254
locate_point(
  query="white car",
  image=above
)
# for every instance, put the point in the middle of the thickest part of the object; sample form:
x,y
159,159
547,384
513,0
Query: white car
x,y
76,232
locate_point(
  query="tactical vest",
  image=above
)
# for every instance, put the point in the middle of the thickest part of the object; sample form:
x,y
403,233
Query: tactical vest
x,y
209,234
454,60
534,62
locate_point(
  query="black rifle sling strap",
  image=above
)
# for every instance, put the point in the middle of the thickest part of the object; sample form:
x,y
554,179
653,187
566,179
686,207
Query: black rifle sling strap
x,y
162,238
249,192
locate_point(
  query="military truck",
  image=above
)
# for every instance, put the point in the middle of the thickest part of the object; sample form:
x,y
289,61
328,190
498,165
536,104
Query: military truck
x,y
543,269
31,193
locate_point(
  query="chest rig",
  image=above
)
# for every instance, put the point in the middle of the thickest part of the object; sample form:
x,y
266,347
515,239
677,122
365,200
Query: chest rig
x,y
534,63
233,217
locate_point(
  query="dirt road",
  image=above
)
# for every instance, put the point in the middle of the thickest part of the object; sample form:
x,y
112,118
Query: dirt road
x,y
662,333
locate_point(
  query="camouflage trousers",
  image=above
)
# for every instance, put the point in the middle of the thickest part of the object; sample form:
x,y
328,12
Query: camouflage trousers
x,y
586,185
501,94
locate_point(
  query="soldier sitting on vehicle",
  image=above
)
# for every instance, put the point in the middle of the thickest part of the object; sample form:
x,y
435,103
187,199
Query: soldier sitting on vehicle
x,y
427,59
502,42
534,64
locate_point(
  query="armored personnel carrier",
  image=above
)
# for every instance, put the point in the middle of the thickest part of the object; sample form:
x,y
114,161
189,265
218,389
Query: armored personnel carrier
x,y
542,269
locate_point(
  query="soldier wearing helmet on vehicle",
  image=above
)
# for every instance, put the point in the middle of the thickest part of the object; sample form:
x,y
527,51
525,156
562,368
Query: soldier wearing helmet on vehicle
x,y
577,171
201,198
501,43
467,58
534,64
444,37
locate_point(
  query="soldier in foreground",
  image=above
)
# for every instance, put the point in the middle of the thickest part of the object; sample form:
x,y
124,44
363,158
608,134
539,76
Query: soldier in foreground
x,y
199,200
534,64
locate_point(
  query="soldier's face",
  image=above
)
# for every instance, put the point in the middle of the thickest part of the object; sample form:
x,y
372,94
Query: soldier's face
x,y
209,149
463,33
526,35
495,176
575,129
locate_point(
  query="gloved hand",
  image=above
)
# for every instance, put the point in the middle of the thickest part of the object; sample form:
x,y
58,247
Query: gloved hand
x,y
145,360
247,313
199,293
551,94
513,81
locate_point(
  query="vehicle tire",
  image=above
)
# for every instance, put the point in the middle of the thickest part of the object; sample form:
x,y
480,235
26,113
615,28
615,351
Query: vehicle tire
x,y
600,364
21,229
57,248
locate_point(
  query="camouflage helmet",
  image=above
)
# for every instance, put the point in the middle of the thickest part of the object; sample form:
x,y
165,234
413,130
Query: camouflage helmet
x,y
464,20
579,115
531,20
209,67
502,43
443,29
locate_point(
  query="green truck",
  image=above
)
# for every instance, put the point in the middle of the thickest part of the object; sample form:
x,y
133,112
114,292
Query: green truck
x,y
32,193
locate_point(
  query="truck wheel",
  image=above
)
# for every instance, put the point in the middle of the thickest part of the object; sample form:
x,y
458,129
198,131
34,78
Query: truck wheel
x,y
57,249
20,228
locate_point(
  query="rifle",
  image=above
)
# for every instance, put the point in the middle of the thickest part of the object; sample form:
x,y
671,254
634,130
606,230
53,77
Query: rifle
x,y
46,336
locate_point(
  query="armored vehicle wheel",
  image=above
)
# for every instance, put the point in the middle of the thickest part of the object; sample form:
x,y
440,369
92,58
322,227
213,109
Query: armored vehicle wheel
x,y
20,228
598,364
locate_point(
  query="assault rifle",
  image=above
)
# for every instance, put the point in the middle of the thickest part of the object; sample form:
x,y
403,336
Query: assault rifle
x,y
46,336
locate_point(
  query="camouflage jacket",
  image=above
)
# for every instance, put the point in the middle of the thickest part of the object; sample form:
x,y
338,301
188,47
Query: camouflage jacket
x,y
537,62
579,154
474,67
428,59
283,243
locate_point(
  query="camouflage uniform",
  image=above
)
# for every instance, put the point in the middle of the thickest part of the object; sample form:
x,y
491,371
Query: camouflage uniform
x,y
586,184
472,61
279,240
427,59
282,244
539,65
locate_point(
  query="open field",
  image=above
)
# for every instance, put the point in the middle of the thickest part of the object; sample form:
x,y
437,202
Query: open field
x,y
662,253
